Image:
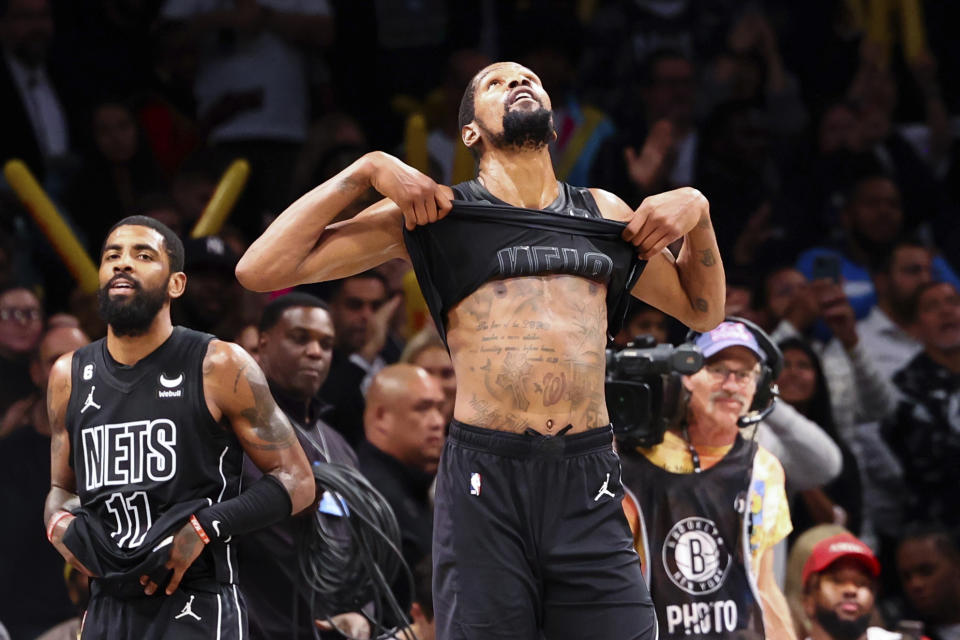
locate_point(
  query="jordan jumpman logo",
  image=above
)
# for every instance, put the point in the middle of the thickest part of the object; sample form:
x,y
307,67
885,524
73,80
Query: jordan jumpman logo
x,y
89,402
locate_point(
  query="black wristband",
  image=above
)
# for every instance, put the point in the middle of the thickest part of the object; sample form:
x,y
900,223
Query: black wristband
x,y
265,502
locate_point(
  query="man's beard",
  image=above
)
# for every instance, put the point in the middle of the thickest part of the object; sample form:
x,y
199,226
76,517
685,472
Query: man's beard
x,y
524,130
841,629
131,315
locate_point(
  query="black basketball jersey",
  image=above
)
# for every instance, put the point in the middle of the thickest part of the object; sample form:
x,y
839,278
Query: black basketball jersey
x,y
696,545
484,238
147,454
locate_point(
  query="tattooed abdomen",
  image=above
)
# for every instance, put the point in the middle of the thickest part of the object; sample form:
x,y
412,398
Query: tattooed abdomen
x,y
529,353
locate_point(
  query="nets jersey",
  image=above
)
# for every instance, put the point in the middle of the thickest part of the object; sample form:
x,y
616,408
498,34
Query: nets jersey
x,y
147,454
484,238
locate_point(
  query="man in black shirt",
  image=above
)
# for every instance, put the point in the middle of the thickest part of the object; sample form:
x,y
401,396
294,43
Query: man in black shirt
x,y
38,601
296,343
21,324
404,425
925,428
149,428
361,308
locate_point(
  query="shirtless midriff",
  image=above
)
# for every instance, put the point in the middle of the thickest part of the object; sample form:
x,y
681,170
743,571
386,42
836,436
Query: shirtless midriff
x,y
529,353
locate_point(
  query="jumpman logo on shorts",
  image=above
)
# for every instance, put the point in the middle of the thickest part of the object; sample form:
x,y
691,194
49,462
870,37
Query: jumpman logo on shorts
x,y
604,491
89,402
187,610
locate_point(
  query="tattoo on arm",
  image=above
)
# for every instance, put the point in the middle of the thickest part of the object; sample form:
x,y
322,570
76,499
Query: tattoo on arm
x,y
706,258
236,381
701,305
271,429
704,222
347,185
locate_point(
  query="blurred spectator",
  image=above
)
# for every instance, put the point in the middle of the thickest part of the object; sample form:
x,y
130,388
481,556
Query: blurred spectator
x,y
194,184
78,589
875,92
642,319
752,69
36,124
928,561
659,150
34,598
872,220
784,295
737,172
858,392
168,111
403,423
924,431
441,109
421,609
802,386
793,586
885,331
822,167
294,351
21,325
427,351
333,142
361,312
626,34
741,284
211,301
161,206
253,75
840,590
581,127
118,169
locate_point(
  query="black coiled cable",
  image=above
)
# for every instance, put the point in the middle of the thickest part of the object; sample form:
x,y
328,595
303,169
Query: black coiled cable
x,y
349,562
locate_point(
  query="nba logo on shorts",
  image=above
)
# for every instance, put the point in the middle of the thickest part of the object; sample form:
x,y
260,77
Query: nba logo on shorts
x,y
474,484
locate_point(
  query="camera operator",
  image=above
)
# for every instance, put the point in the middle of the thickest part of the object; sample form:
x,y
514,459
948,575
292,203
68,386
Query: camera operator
x,y
708,505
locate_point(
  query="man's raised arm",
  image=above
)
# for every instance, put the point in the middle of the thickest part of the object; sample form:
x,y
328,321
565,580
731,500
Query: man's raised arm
x,y
691,288
303,246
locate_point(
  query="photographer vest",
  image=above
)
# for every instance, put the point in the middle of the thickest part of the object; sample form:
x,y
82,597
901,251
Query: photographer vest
x,y
484,238
696,545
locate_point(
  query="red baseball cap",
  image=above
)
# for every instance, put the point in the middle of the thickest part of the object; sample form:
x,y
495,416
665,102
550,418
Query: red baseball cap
x,y
842,545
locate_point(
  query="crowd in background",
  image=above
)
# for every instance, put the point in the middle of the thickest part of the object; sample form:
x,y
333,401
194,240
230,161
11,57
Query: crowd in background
x,y
825,134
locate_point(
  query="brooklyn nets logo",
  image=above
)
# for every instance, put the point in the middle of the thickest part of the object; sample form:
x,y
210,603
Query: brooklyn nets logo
x,y
695,557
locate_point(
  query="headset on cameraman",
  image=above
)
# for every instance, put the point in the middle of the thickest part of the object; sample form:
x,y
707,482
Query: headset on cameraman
x,y
764,395
766,390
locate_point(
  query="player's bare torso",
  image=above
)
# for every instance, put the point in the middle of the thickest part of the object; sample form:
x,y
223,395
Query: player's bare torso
x,y
529,352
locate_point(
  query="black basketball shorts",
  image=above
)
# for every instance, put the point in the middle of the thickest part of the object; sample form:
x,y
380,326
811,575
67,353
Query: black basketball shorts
x,y
530,540
187,614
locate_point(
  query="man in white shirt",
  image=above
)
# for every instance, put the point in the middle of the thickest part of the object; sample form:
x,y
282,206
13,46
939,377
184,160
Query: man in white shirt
x,y
884,332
